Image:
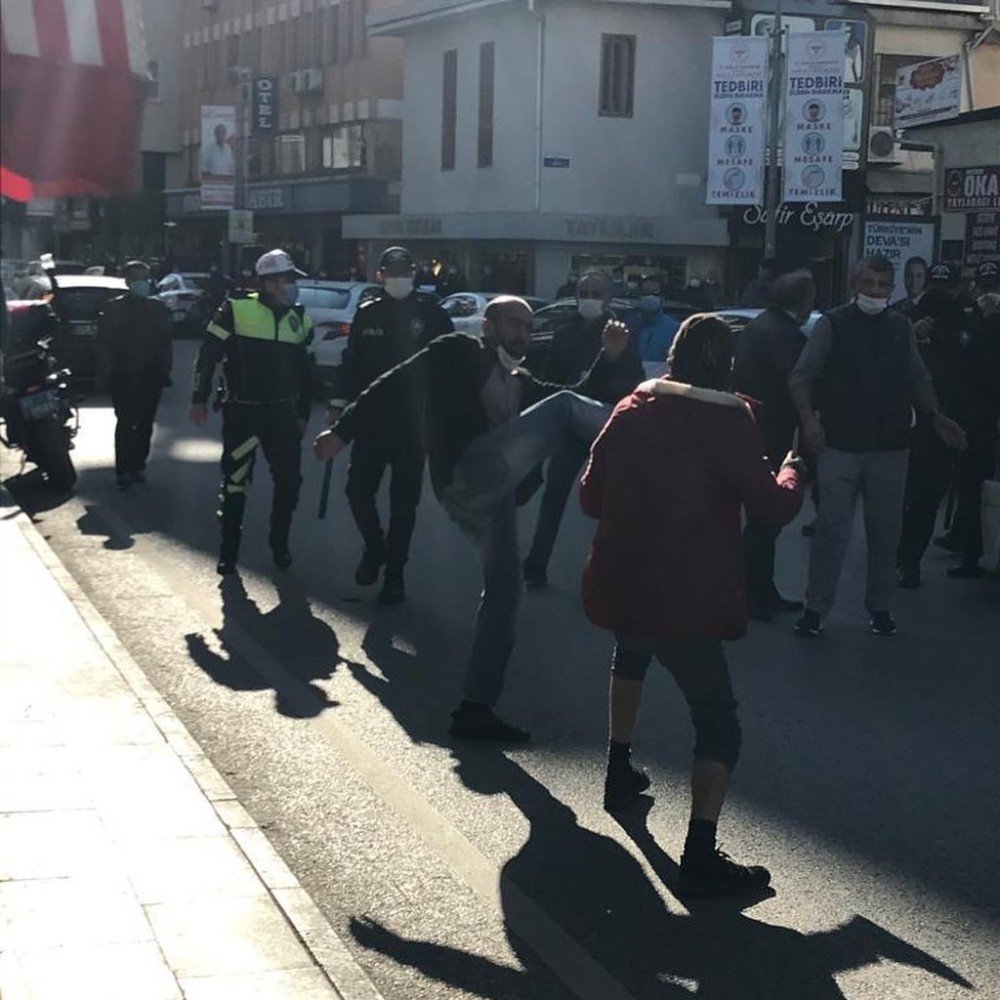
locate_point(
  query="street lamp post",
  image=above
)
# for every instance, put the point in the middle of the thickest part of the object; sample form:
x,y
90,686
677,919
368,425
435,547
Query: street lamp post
x,y
772,196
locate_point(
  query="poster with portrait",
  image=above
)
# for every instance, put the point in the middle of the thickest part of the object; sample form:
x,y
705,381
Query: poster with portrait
x,y
218,155
909,244
736,131
929,91
814,117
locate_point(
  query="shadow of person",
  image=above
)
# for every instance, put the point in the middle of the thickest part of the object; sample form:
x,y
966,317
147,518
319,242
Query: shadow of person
x,y
34,493
93,523
285,649
580,904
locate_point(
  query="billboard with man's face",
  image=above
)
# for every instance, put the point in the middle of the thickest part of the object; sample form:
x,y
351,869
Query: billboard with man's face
x,y
218,155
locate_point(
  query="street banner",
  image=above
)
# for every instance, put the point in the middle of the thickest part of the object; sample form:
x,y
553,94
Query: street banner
x,y
240,226
264,105
928,91
969,189
736,136
814,117
909,244
218,160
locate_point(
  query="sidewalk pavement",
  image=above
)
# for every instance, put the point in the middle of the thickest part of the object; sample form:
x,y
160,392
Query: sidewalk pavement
x,y
127,867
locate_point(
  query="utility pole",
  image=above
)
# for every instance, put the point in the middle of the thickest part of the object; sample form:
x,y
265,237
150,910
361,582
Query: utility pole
x,y
242,76
773,193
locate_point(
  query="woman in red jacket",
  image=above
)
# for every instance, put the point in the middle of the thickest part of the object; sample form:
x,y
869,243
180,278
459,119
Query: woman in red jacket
x,y
667,478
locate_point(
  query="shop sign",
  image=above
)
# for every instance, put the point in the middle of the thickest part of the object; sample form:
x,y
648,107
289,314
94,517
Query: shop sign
x,y
412,226
982,237
263,198
929,91
810,216
610,229
898,206
899,241
967,189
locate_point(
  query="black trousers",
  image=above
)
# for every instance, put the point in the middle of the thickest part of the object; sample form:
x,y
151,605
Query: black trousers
x,y
927,480
135,409
275,429
974,466
370,457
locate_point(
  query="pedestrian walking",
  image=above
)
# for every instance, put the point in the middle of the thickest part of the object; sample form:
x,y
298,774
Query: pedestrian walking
x,y
867,357
666,480
264,343
754,294
135,333
387,329
575,347
488,424
653,328
766,353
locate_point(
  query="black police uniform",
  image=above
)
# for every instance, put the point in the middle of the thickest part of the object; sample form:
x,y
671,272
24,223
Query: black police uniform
x,y
266,353
136,340
386,332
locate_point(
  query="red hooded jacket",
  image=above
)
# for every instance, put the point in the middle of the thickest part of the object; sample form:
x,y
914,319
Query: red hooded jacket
x,y
666,480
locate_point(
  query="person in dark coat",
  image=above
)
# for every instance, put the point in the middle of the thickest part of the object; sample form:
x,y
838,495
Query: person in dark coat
x,y
765,356
754,295
666,481
136,339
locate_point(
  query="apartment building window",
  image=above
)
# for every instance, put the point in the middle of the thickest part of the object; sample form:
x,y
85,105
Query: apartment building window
x,y
617,75
484,145
290,153
153,81
449,109
344,148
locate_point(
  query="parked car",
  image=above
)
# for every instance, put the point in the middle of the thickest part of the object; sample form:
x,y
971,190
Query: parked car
x,y
331,306
182,293
466,309
739,319
34,280
79,303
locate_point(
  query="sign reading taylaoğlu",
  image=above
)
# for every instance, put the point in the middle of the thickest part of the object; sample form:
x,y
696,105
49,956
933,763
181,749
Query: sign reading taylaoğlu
x,y
969,188
928,91
736,136
264,106
982,237
218,163
814,117
901,242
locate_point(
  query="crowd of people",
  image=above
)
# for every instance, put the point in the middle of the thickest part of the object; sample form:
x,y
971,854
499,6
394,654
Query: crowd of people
x,y
695,445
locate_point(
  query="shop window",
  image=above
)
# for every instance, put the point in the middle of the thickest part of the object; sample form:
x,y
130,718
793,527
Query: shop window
x,y
617,75
449,109
344,148
484,154
290,151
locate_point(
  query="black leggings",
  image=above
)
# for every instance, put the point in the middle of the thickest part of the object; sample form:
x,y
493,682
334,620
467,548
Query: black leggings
x,y
699,667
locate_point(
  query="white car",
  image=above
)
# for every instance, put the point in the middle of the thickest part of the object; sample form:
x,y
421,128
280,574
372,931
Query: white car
x,y
466,309
181,292
331,306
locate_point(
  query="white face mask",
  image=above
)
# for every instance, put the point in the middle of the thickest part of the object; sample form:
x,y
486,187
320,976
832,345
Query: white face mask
x,y
398,288
871,306
590,308
506,360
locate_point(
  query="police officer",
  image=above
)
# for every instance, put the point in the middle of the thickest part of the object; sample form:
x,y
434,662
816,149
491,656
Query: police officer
x,y
264,342
135,334
387,329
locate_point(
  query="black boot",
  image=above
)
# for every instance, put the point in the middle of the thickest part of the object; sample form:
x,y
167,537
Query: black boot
x,y
393,589
229,551
280,551
372,561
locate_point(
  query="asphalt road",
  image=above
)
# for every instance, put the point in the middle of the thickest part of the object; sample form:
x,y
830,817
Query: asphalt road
x,y
868,781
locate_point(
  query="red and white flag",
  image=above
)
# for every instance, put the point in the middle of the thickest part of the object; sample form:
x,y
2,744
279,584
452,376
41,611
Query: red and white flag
x,y
71,87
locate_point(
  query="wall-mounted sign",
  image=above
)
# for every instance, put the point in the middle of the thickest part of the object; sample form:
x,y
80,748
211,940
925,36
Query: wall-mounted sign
x,y
967,189
218,163
240,226
263,198
982,238
810,216
929,91
558,162
264,105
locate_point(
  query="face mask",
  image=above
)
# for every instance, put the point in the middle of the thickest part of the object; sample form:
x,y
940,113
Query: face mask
x,y
590,308
139,288
650,304
871,306
398,288
289,294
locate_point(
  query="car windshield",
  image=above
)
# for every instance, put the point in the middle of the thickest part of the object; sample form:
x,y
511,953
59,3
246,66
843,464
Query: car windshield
x,y
83,304
197,281
313,297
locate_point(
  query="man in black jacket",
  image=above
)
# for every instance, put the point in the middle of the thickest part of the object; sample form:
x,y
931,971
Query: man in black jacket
x,y
136,340
387,329
575,347
766,353
488,423
872,375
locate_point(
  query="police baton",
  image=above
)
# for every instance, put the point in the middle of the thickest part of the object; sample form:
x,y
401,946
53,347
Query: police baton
x,y
324,493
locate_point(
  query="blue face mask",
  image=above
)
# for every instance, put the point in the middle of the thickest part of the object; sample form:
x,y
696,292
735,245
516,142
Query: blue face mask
x,y
650,304
289,294
139,288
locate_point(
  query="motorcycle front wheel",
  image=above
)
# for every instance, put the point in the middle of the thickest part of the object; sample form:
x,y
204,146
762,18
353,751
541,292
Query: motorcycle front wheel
x,y
49,450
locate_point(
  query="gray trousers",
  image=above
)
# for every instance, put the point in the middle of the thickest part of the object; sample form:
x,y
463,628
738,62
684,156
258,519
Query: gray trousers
x,y
879,477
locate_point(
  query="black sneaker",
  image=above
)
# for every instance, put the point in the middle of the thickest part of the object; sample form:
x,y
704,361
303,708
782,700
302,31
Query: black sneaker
x,y
478,722
393,590
535,577
369,567
622,786
718,875
908,577
225,567
809,625
881,623
281,554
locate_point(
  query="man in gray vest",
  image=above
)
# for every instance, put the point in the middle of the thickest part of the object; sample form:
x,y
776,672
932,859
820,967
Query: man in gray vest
x,y
872,373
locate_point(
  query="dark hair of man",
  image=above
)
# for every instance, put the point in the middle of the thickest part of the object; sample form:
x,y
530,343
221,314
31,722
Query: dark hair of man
x,y
874,262
702,352
595,275
792,290
136,269
915,262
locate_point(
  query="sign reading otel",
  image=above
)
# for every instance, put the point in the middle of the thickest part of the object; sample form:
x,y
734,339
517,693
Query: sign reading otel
x,y
968,189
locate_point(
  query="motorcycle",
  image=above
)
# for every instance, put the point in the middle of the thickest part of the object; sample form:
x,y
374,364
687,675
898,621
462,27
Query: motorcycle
x,y
35,403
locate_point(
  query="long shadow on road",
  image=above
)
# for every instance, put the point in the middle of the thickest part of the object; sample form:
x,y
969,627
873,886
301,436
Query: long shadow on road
x,y
567,879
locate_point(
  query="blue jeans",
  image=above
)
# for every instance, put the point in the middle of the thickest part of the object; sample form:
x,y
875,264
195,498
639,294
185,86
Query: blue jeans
x,y
560,476
480,499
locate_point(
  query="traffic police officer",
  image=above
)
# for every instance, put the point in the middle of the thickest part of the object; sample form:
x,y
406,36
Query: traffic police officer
x,y
264,342
387,329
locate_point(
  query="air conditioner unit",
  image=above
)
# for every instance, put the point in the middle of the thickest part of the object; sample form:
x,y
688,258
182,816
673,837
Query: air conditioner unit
x,y
882,145
312,80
